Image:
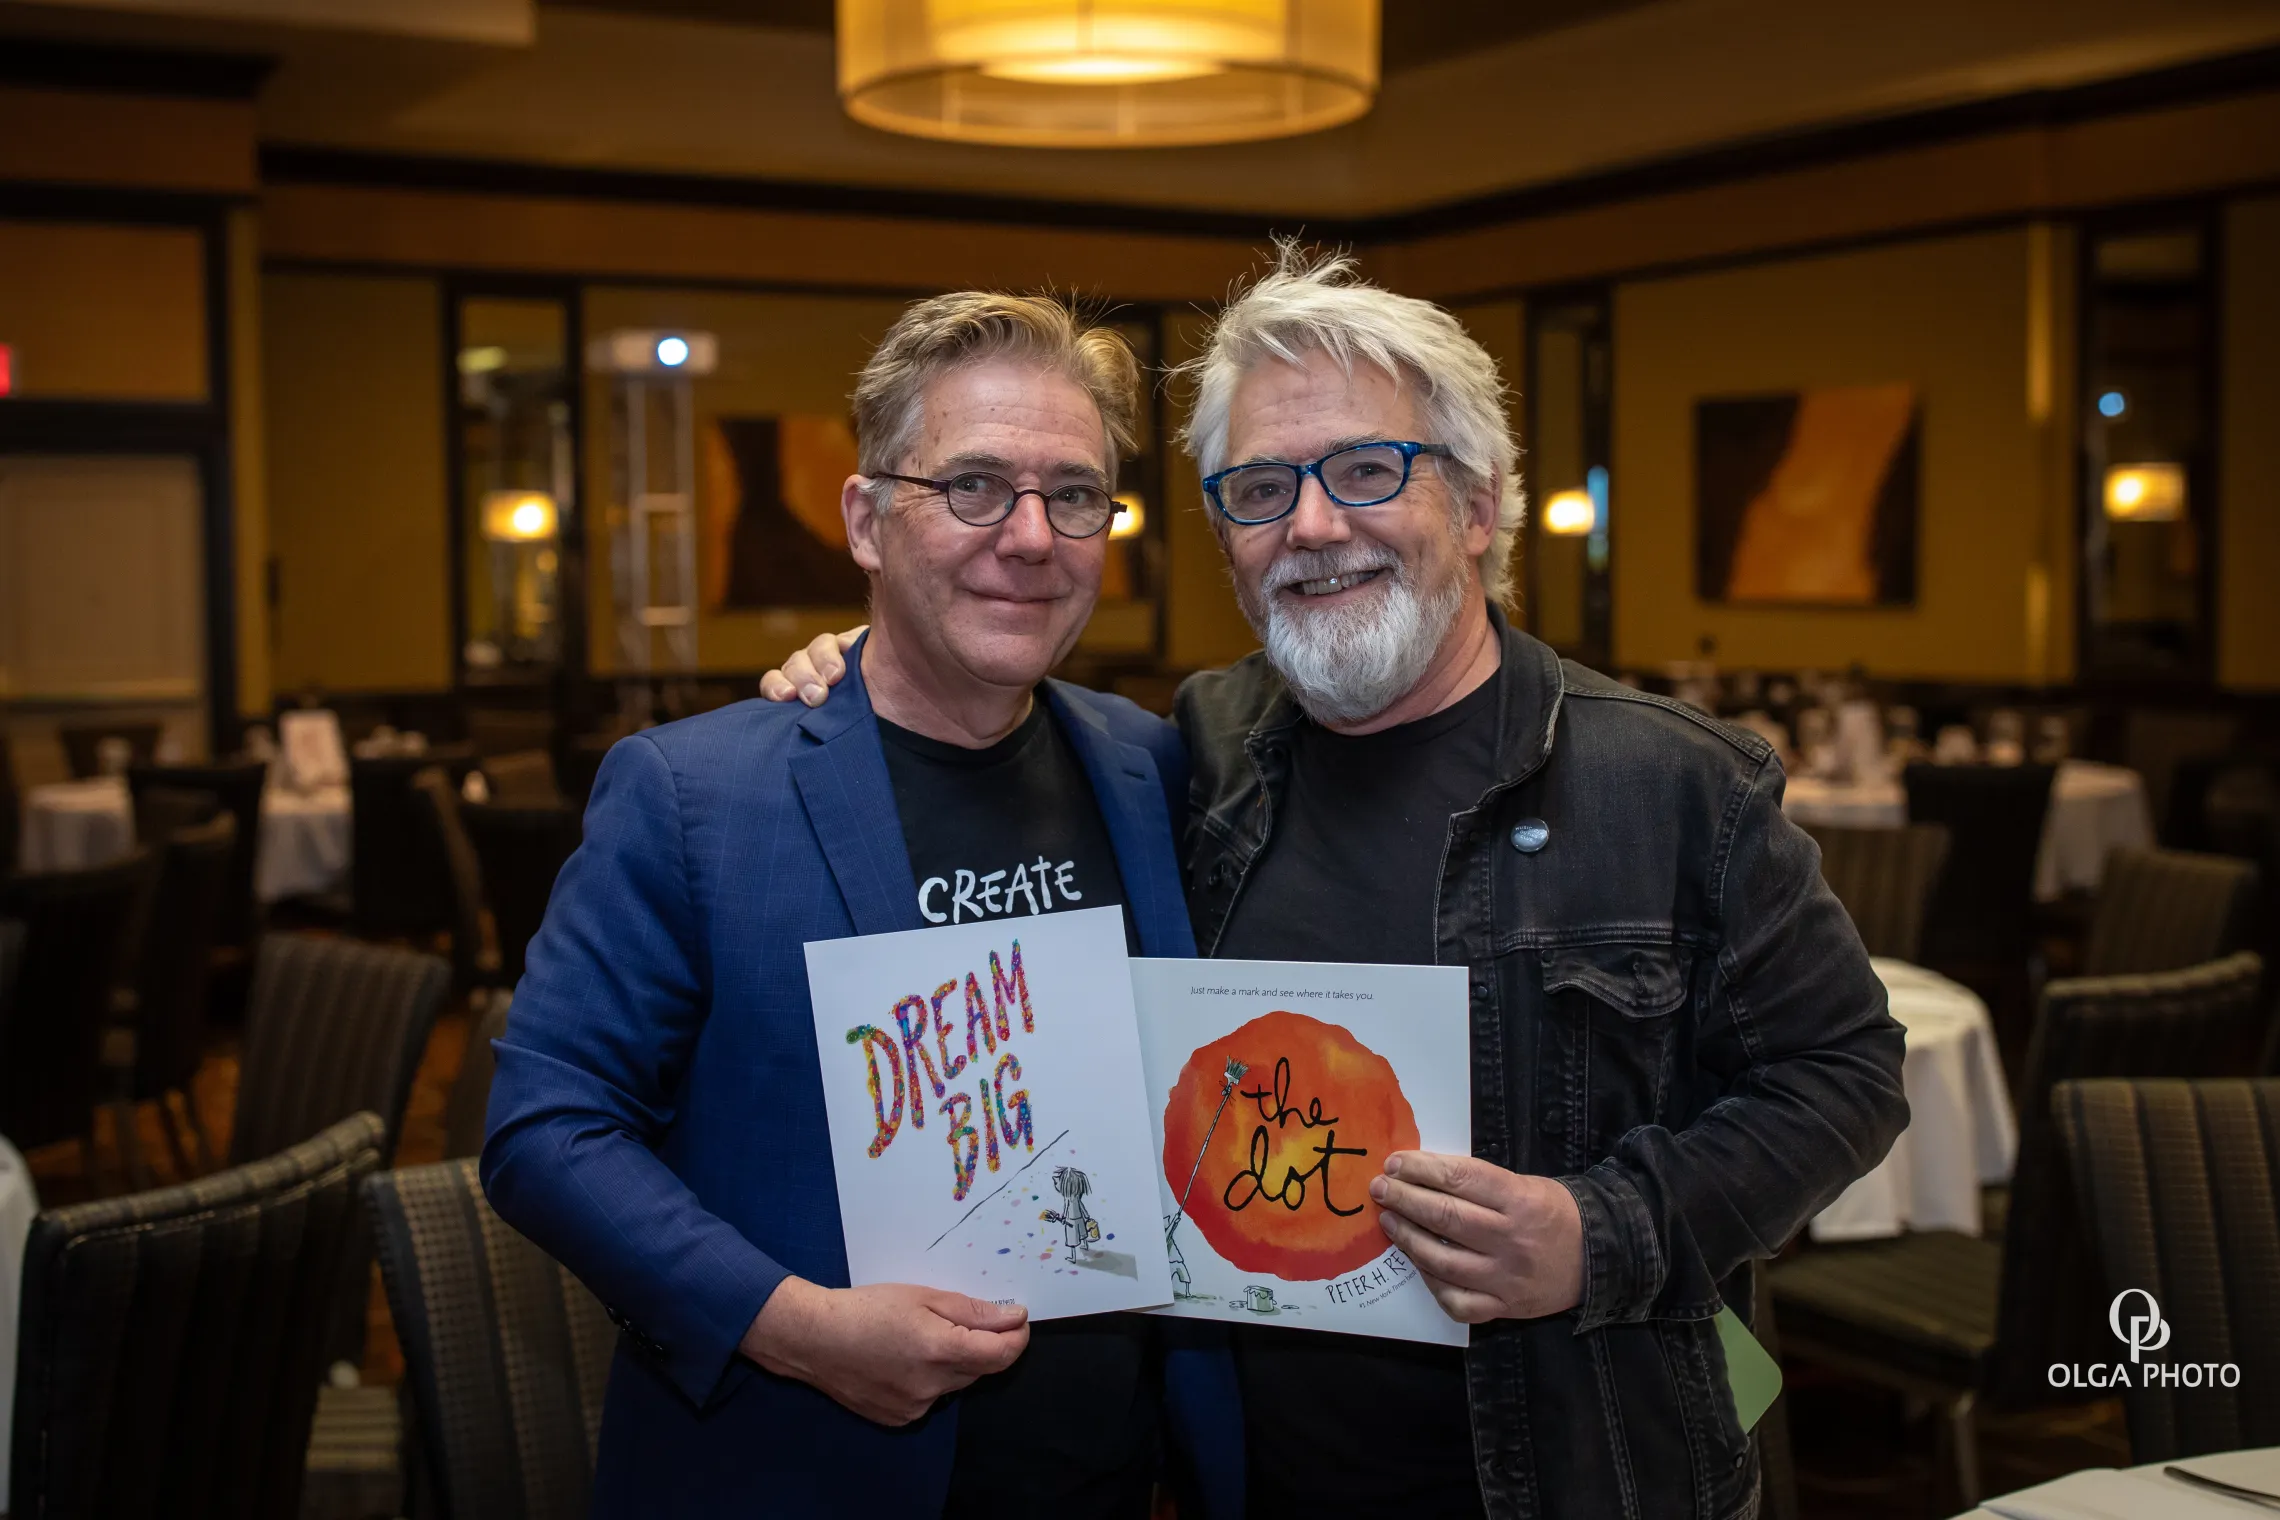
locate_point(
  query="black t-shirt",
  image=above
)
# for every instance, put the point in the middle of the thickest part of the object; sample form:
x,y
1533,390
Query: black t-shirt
x,y
1340,1424
1005,832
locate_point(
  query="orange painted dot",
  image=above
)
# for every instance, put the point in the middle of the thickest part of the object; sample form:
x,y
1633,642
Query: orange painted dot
x,y
1284,1183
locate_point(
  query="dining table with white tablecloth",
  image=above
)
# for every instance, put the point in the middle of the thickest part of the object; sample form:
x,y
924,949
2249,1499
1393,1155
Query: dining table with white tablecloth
x,y
1961,1133
2095,809
303,850
19,1203
2153,1491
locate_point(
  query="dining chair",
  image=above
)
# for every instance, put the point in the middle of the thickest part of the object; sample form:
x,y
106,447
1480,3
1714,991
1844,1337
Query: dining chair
x,y
509,730
155,1054
399,881
236,784
83,743
1953,1318
171,1341
2161,1162
474,962
524,778
506,1353
333,1027
2161,909
1979,924
1884,878
468,1103
79,944
520,851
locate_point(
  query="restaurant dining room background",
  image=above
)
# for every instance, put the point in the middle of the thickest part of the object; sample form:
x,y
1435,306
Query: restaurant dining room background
x,y
401,405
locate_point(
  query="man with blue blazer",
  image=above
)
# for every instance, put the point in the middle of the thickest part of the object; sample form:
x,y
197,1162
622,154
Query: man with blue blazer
x,y
657,1122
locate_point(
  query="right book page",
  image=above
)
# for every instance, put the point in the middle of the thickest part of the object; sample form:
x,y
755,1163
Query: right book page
x,y
1277,1089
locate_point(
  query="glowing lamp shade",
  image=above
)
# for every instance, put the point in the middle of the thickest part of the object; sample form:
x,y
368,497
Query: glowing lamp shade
x,y
518,517
1569,514
2145,492
1107,73
1131,516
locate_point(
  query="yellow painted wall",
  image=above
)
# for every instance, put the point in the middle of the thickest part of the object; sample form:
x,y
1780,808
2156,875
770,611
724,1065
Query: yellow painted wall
x,y
353,371
104,313
1951,316
2248,500
249,454
1203,626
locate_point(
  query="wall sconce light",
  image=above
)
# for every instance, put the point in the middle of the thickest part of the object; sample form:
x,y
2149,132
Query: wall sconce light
x,y
518,517
2145,492
1570,514
1130,516
1107,73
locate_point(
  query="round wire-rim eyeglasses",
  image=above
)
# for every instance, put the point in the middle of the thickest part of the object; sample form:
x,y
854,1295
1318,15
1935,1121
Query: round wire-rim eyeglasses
x,y
982,500
1343,474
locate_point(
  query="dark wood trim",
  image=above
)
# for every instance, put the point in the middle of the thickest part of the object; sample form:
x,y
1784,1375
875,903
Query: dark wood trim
x,y
1810,248
286,164
509,280
39,426
2232,74
117,205
50,63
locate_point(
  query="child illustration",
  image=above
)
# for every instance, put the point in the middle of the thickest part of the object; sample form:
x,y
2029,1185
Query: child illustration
x,y
1078,1226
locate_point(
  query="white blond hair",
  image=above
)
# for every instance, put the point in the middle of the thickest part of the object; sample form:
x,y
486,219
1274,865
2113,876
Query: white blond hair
x,y
1319,301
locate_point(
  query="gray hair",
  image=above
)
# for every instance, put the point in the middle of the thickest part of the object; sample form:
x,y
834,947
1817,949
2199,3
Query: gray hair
x,y
946,332
1319,301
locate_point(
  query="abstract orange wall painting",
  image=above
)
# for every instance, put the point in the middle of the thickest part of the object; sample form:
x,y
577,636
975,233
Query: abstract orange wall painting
x,y
1808,498
773,536
988,1123
1278,1090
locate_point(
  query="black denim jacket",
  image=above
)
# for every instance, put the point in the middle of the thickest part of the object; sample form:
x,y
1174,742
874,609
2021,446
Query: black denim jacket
x,y
1671,1015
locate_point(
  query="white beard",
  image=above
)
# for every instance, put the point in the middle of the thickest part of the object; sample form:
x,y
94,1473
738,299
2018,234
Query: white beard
x,y
1345,666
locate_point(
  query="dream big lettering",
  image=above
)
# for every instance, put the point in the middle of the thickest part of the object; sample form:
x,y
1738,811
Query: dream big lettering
x,y
919,1057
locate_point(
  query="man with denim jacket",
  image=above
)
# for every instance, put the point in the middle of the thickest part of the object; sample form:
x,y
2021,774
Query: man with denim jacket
x,y
1680,1052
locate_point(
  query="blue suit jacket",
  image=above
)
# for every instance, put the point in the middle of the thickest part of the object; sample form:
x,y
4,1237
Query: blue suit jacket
x,y
657,1120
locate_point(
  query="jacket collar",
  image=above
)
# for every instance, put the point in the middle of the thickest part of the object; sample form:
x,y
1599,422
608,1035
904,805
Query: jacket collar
x,y
842,780
1130,794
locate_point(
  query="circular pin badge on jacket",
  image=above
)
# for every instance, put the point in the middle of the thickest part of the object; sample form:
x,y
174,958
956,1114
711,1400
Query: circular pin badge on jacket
x,y
1531,835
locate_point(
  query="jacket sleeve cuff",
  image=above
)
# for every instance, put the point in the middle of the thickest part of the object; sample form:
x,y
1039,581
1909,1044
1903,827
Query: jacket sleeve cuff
x,y
707,1365
1622,1254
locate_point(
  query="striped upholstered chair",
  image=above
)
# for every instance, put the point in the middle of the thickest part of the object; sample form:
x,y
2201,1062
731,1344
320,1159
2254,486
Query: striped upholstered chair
x,y
2162,909
173,1340
506,1353
2176,1187
1953,1318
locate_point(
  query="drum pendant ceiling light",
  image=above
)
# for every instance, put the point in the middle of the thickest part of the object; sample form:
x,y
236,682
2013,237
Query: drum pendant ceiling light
x,y
1107,73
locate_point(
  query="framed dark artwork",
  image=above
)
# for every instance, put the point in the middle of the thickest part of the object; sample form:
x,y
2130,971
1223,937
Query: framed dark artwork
x,y
773,534
1808,498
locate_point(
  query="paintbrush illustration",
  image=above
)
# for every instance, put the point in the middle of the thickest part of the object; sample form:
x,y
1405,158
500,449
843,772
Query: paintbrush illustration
x,y
1233,1075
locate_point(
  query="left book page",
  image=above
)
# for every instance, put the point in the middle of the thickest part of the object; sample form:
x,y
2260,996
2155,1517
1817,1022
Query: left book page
x,y
989,1124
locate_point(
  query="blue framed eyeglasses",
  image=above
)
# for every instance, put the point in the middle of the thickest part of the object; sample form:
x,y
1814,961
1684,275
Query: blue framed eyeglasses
x,y
1363,475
